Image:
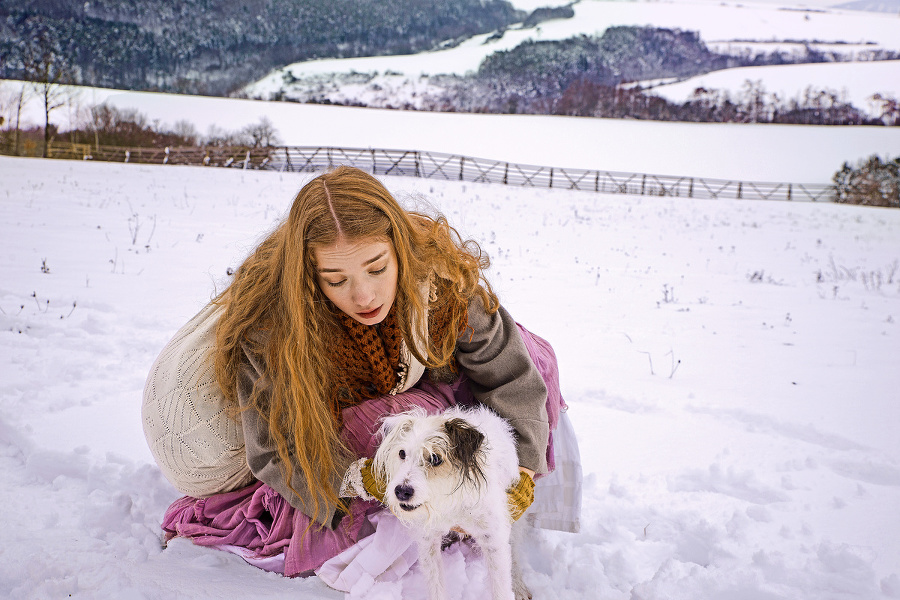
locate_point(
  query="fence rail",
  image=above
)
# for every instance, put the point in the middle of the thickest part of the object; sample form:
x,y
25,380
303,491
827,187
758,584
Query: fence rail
x,y
451,167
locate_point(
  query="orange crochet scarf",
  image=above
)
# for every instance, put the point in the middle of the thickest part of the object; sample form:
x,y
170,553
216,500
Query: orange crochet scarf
x,y
366,358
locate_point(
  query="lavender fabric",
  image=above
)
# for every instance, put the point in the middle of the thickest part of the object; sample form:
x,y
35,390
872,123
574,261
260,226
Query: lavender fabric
x,y
361,422
259,520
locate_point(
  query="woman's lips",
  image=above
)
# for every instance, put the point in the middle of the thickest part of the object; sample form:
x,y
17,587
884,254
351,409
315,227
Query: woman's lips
x,y
370,315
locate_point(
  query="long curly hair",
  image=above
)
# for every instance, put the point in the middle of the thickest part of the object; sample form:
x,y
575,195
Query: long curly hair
x,y
274,305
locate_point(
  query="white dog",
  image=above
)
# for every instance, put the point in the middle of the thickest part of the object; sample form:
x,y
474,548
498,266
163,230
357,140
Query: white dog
x,y
448,471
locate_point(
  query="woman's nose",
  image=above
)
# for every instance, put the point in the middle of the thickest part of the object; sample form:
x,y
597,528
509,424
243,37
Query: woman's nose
x,y
363,295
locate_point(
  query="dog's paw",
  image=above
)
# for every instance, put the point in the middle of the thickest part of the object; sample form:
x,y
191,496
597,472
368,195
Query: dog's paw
x,y
520,590
449,539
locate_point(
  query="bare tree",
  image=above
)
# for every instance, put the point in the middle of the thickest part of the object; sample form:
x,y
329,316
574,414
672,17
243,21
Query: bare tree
x,y
262,134
888,106
47,72
217,136
187,130
12,101
873,183
6,103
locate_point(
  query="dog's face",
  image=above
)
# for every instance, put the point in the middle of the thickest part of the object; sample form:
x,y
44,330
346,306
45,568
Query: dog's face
x,y
427,461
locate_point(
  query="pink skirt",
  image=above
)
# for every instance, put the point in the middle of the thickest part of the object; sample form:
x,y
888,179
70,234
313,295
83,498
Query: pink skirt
x,y
257,520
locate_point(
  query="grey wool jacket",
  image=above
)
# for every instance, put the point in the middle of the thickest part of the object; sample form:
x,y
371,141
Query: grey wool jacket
x,y
501,375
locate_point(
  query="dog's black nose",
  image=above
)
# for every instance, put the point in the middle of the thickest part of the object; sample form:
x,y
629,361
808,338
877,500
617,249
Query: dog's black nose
x,y
404,492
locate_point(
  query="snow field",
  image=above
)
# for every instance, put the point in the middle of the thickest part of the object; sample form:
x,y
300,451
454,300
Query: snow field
x,y
729,368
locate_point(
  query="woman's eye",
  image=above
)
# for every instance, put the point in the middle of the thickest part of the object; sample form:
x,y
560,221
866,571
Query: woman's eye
x,y
379,271
403,455
336,283
436,460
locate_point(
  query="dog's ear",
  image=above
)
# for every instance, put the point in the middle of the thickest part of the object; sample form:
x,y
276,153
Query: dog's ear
x,y
465,442
400,423
393,428
393,423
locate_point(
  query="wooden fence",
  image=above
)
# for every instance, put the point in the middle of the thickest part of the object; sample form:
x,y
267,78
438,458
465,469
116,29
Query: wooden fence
x,y
451,167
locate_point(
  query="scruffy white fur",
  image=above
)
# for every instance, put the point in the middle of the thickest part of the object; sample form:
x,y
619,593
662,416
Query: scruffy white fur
x,y
452,470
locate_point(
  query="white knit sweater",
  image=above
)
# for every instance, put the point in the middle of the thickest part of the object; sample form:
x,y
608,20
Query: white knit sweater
x,y
197,445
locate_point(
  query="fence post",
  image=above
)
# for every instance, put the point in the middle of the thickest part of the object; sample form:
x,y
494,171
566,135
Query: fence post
x,y
418,174
740,184
789,192
506,174
597,182
551,176
462,160
643,184
691,189
373,160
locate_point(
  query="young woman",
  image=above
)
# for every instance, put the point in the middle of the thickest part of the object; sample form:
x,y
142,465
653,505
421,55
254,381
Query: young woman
x,y
353,308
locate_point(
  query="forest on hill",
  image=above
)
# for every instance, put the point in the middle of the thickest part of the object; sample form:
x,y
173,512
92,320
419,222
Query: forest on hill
x,y
213,47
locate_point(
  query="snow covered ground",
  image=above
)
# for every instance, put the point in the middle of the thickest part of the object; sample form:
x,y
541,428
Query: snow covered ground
x,y
730,369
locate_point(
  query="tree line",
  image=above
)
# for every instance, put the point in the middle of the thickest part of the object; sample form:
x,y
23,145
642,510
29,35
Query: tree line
x,y
105,125
872,182
215,46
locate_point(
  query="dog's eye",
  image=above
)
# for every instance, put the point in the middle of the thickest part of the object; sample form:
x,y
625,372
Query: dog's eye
x,y
435,460
403,455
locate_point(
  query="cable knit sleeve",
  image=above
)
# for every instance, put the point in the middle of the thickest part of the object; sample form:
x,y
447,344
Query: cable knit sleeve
x,y
502,376
262,453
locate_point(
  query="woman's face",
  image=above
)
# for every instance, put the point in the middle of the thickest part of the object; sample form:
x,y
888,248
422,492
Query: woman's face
x,y
359,276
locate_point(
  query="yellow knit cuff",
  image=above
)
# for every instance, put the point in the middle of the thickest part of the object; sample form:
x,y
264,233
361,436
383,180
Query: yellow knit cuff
x,y
521,495
374,487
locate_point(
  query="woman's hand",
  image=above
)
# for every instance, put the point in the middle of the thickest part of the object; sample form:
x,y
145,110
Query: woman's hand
x,y
518,501
521,494
361,482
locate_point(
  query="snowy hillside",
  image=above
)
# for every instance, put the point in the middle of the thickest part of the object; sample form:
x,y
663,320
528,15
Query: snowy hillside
x,y
725,26
854,82
715,21
730,369
885,6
